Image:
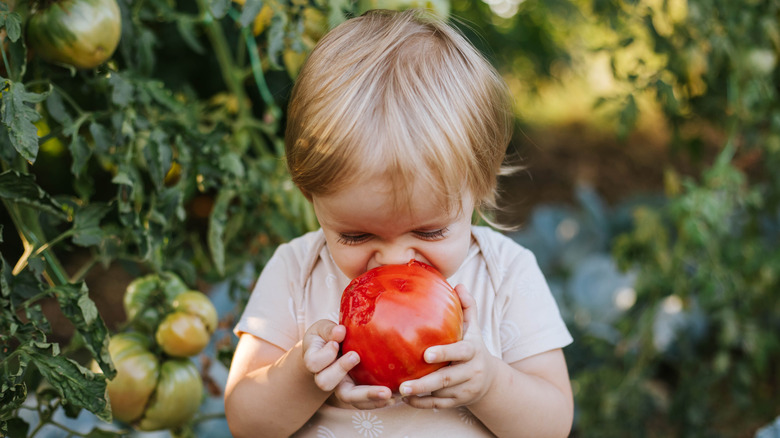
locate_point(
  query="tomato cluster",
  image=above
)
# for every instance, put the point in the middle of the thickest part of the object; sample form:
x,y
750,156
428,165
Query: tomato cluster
x,y
393,313
157,386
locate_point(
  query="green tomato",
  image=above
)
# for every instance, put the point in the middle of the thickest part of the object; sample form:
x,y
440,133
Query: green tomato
x,y
148,298
81,33
177,398
137,371
186,331
182,334
198,304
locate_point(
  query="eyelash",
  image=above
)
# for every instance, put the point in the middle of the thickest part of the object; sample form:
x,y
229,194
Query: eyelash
x,y
432,235
355,239
352,239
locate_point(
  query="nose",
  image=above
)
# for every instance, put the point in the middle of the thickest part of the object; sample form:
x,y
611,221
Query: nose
x,y
394,254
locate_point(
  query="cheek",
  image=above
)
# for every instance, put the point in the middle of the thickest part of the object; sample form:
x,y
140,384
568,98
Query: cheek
x,y
448,258
351,261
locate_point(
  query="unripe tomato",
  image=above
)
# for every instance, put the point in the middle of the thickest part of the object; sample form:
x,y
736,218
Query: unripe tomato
x,y
198,304
137,370
146,394
147,297
81,33
186,331
177,397
181,334
393,313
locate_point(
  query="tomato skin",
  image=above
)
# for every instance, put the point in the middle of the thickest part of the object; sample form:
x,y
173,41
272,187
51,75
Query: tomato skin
x,y
186,331
177,397
198,304
81,33
181,334
137,370
146,298
393,313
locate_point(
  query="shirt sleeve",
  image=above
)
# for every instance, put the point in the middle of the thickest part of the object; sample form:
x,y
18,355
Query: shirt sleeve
x,y
532,322
269,313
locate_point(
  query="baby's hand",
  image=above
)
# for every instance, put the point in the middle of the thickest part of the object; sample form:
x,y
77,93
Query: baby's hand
x,y
467,379
321,354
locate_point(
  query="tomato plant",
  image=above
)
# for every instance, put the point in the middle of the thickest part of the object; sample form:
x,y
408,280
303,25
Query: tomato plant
x,y
393,313
81,33
157,153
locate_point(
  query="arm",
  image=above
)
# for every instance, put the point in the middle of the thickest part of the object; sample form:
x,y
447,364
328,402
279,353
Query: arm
x,y
531,397
285,384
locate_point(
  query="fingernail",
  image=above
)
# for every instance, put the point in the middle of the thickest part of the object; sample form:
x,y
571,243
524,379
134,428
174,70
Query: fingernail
x,y
430,356
406,389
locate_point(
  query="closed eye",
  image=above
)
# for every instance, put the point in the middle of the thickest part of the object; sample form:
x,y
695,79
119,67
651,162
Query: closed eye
x,y
432,235
353,239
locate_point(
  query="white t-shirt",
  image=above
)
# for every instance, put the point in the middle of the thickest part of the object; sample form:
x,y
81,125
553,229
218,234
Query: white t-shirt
x,y
518,316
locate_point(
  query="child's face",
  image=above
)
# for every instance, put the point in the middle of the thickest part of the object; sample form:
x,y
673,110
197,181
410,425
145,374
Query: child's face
x,y
364,228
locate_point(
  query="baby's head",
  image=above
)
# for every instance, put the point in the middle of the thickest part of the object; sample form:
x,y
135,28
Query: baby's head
x,y
398,95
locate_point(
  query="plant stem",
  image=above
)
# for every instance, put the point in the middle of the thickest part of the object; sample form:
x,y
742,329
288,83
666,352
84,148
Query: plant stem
x,y
25,219
225,58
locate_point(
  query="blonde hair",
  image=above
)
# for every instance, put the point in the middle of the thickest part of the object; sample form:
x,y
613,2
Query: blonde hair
x,y
402,95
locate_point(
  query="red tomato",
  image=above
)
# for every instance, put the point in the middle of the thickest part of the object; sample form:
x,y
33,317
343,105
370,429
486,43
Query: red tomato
x,y
392,314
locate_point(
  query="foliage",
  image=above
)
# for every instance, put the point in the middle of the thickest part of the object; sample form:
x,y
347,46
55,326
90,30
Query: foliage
x,y
710,254
166,158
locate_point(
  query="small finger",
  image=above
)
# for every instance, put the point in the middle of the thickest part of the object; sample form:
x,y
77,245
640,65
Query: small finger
x,y
430,402
320,354
331,376
363,395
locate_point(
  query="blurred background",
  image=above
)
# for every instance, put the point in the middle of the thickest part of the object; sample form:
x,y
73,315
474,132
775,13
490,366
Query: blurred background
x,y
649,136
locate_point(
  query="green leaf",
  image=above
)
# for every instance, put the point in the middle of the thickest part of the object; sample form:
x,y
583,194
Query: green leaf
x,y
249,12
82,312
22,189
336,12
86,224
74,383
159,156
13,391
216,232
80,153
14,427
101,136
121,90
186,27
19,117
219,8
13,26
100,433
276,38
56,108
231,162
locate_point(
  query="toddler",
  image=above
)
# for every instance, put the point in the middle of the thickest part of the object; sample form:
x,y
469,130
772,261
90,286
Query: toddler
x,y
397,129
